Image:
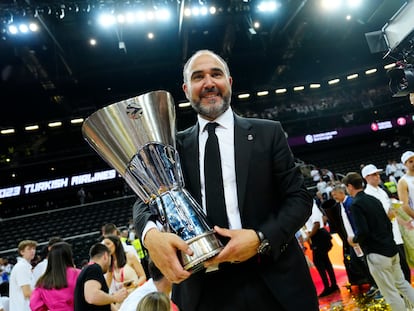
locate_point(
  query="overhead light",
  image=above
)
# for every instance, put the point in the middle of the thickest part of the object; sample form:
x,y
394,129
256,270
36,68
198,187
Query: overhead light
x,y
314,85
354,3
23,28
7,131
371,71
243,96
13,29
252,30
31,127
401,81
76,121
33,27
389,66
299,88
262,93
333,81
187,12
184,105
268,6
55,124
330,5
280,91
353,76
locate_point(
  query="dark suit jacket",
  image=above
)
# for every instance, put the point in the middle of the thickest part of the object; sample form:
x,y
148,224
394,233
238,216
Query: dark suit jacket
x,y
373,227
271,197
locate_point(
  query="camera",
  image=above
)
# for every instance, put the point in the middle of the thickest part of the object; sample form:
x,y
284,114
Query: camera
x,y
401,79
396,38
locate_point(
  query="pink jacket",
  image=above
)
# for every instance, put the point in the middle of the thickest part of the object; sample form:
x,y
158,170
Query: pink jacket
x,y
55,299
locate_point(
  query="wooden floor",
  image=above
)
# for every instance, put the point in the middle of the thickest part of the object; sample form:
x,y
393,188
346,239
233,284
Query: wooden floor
x,y
349,297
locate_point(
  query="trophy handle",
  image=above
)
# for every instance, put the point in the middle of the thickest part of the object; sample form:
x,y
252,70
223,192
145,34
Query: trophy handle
x,y
181,214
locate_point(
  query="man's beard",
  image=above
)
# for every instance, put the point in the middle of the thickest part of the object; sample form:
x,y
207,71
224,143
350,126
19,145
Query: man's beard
x,y
212,111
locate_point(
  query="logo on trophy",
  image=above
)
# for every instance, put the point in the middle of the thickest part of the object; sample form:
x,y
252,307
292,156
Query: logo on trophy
x,y
136,137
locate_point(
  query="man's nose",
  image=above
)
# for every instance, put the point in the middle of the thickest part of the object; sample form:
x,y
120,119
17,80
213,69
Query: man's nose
x,y
208,81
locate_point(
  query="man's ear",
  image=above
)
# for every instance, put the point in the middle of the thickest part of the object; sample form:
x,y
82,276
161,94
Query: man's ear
x,y
185,89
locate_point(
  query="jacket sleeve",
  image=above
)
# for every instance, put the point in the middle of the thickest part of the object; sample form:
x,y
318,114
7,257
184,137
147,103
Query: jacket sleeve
x,y
141,214
36,301
293,203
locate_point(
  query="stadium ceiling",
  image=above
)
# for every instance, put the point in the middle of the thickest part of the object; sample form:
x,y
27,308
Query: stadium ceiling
x,y
56,71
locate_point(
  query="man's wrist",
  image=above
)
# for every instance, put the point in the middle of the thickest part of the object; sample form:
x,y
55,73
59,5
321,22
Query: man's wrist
x,y
264,245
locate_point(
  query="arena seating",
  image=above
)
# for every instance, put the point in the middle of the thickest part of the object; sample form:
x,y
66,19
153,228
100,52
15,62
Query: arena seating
x,y
80,225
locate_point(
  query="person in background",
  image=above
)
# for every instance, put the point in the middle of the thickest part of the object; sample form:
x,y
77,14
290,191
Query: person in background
x,y
373,179
125,269
374,235
4,296
91,290
320,242
156,282
155,301
357,261
390,185
40,268
4,304
405,185
81,195
21,277
262,266
111,229
5,270
124,236
56,287
405,189
142,254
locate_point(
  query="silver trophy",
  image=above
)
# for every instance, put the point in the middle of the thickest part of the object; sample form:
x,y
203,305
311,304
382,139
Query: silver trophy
x,y
136,137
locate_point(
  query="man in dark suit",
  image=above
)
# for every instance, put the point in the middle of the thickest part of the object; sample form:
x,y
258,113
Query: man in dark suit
x,y
261,266
374,235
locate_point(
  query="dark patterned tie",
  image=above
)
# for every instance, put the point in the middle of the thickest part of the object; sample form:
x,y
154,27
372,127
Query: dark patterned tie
x,y
215,204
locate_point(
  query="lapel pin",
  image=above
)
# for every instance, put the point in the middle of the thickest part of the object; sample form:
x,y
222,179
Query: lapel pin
x,y
250,137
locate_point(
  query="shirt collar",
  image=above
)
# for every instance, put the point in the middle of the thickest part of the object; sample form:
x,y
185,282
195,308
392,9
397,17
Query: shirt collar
x,y
23,260
224,120
369,186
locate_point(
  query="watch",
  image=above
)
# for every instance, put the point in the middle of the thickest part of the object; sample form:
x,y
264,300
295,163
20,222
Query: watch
x,y
264,247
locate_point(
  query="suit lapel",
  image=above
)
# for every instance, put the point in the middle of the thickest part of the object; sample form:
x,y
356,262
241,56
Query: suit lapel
x,y
192,163
243,145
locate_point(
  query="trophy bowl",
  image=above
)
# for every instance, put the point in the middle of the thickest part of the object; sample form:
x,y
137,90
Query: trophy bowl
x,y
136,137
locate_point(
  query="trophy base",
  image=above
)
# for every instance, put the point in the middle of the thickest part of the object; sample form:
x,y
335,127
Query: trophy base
x,y
204,246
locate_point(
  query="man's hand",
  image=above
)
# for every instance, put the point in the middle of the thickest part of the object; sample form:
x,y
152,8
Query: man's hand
x,y
120,295
351,241
162,248
242,245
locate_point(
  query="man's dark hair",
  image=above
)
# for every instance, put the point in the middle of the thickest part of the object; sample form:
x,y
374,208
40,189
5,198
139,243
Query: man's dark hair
x,y
98,250
109,228
353,179
54,239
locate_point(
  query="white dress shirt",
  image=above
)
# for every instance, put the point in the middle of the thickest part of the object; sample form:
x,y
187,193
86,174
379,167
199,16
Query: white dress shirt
x,y
225,135
381,195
